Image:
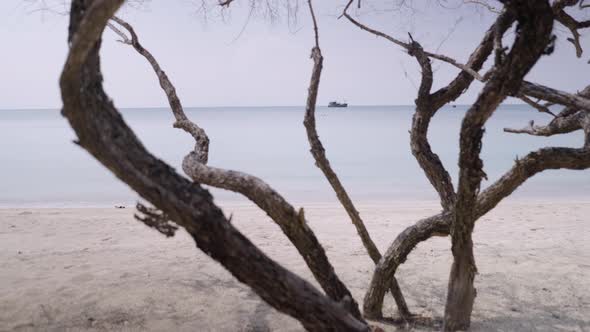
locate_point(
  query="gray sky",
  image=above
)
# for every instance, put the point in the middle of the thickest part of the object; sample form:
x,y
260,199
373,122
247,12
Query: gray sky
x,y
267,65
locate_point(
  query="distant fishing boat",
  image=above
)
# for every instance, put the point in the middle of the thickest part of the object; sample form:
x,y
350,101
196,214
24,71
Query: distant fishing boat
x,y
337,104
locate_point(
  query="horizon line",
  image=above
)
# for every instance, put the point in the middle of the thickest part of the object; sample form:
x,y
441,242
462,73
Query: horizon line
x,y
245,106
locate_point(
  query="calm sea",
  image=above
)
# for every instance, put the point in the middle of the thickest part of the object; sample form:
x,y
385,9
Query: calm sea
x,y
367,146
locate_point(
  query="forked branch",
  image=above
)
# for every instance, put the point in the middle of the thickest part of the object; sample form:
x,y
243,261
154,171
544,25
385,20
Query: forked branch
x,y
541,92
570,119
319,154
559,125
291,221
425,109
535,23
408,46
201,139
103,133
571,23
536,105
428,160
439,225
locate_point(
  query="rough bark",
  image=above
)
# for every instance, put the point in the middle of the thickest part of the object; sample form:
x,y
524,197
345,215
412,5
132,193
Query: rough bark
x,y
429,161
397,253
292,222
427,105
569,22
182,121
439,225
476,60
321,161
535,22
559,125
584,93
577,101
586,125
103,133
528,166
570,119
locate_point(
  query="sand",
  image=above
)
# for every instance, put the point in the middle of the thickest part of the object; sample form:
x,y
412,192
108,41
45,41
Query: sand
x,y
98,269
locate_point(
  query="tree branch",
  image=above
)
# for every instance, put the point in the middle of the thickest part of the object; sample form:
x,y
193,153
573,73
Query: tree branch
x,y
440,224
476,60
528,166
554,96
408,46
225,3
396,254
535,23
484,4
319,154
103,133
291,222
569,22
425,110
427,159
559,125
201,139
537,106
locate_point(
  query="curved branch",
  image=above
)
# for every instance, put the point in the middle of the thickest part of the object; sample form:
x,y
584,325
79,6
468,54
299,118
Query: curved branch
x,y
291,222
535,21
103,133
571,23
396,254
578,101
425,110
559,125
409,46
182,121
428,104
525,168
427,159
569,110
537,106
476,60
484,4
440,224
321,161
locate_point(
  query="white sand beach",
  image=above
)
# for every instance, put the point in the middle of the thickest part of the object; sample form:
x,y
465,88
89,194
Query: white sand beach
x,y
99,269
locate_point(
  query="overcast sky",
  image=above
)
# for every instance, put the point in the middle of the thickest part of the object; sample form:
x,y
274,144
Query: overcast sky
x,y
215,63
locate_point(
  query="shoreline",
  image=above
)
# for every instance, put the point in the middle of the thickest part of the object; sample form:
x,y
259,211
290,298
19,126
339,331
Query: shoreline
x,y
93,269
244,202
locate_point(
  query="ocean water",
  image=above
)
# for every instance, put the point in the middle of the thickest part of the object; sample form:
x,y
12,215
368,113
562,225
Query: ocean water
x,y
367,146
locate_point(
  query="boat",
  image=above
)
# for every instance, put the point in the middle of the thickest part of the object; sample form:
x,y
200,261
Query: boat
x,y
337,104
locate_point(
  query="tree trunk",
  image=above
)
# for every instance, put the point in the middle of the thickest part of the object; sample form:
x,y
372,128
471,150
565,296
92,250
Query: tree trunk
x,y
461,293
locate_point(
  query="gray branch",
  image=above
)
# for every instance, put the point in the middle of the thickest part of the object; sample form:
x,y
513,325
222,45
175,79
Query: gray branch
x,y
103,133
291,221
559,125
321,161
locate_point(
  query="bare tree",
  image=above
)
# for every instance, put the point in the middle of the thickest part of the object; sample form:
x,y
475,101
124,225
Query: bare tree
x,y
291,221
463,207
178,202
103,133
